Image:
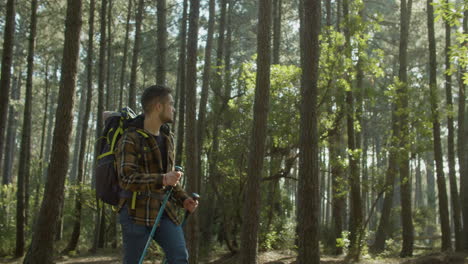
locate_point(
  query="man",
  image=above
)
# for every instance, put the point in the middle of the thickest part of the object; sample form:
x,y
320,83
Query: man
x,y
145,163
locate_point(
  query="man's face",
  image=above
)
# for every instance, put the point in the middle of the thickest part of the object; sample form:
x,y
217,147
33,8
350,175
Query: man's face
x,y
167,113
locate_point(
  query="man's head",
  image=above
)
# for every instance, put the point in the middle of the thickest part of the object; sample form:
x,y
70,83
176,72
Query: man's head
x,y
157,100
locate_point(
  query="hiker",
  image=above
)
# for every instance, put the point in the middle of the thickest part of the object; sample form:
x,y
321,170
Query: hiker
x,y
145,165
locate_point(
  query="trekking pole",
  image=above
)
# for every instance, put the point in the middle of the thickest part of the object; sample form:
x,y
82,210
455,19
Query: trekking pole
x,y
195,196
158,218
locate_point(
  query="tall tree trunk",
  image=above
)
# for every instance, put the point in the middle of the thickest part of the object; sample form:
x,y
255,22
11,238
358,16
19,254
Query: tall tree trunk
x,y
161,43
227,56
443,201
308,196
100,110
338,186
25,151
125,54
404,141
42,243
356,227
181,85
73,242
10,147
251,211
136,51
110,102
451,145
462,145
277,11
7,58
191,138
208,210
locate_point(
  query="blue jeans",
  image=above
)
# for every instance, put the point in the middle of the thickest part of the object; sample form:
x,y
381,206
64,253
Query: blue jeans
x,y
168,235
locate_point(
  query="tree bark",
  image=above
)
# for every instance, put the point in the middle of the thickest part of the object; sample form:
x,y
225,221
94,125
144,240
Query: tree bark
x,y
251,211
73,242
10,147
7,59
181,85
42,242
136,52
277,12
404,141
161,43
25,150
308,196
110,101
451,144
441,186
125,55
191,138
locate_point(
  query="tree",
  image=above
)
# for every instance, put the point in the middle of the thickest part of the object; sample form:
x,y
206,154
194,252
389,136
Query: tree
x,y
125,54
251,211
308,195
191,138
136,52
451,142
441,186
73,242
404,141
7,58
44,229
161,43
25,151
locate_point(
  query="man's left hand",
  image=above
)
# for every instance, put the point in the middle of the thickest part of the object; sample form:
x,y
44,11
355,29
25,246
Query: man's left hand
x,y
190,205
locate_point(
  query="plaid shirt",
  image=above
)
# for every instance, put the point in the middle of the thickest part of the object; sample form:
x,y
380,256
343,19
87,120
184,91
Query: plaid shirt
x,y
140,170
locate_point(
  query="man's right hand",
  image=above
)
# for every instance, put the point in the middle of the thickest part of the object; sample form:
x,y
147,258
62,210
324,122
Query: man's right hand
x,y
172,178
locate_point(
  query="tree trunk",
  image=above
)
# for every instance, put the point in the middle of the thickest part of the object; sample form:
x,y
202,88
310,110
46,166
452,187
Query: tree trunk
x,y
462,145
250,225
161,43
277,11
136,52
7,58
110,102
10,147
227,57
404,141
337,186
308,196
73,242
443,203
451,145
42,243
181,86
191,138
25,150
356,227
125,54
207,220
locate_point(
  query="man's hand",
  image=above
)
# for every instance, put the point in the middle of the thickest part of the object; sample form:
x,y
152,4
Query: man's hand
x,y
172,178
190,204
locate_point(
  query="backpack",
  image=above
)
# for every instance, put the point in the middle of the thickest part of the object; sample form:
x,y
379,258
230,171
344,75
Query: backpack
x,y
107,182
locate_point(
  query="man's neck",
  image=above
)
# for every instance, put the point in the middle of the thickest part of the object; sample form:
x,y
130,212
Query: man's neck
x,y
152,125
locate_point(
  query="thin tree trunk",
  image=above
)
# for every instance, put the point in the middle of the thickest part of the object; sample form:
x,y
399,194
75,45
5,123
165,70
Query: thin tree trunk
x,y
191,138
404,141
136,51
125,54
161,43
277,11
7,58
207,220
42,243
181,86
10,147
308,196
462,145
73,242
451,145
251,211
25,150
110,102
443,201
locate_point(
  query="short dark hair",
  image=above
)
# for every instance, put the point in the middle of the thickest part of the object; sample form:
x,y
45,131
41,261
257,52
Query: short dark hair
x,y
152,95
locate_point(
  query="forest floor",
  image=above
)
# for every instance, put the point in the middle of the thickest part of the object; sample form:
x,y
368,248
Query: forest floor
x,y
270,257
